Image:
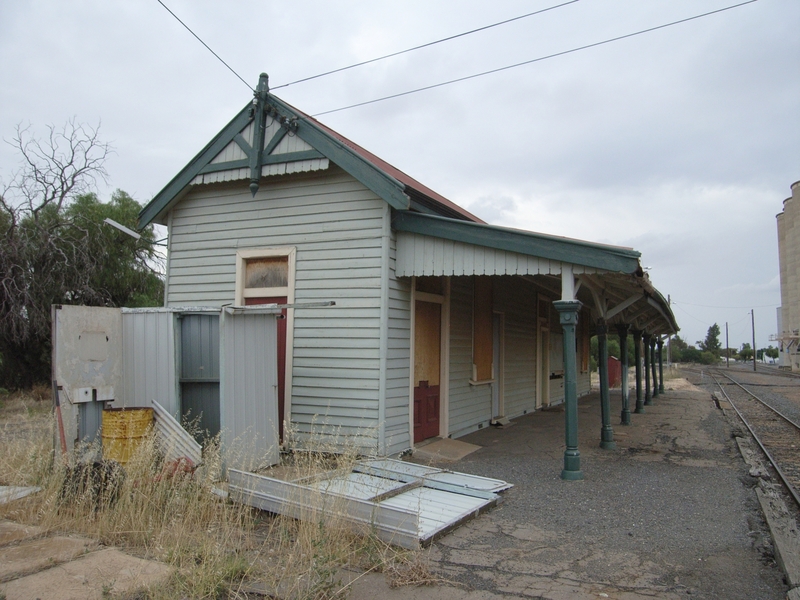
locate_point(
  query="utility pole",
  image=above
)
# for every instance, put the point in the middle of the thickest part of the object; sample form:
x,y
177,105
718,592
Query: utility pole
x,y
727,348
753,323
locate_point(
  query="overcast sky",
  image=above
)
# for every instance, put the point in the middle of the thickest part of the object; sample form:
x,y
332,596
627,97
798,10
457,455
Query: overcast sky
x,y
681,143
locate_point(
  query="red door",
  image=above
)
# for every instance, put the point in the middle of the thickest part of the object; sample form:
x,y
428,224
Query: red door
x,y
427,343
281,353
426,411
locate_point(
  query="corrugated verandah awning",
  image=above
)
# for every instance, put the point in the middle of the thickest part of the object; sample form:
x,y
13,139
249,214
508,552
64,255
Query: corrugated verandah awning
x,y
613,282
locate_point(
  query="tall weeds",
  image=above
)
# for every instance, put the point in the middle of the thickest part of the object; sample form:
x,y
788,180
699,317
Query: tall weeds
x,y
217,548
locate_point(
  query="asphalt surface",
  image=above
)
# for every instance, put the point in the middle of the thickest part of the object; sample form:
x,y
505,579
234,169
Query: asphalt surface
x,y
671,513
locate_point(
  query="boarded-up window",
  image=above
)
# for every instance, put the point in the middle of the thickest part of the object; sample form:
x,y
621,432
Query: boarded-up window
x,y
482,338
267,272
427,343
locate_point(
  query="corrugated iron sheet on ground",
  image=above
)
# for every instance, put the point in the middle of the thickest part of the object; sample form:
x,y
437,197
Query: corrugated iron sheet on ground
x,y
403,503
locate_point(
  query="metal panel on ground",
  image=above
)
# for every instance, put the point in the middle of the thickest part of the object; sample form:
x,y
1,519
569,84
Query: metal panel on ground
x,y
405,503
249,395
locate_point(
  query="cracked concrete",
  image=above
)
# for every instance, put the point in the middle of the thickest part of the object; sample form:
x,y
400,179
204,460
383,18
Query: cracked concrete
x,y
669,514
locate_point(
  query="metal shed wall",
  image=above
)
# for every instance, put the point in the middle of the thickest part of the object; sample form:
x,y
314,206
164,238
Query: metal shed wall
x,y
336,225
249,390
149,354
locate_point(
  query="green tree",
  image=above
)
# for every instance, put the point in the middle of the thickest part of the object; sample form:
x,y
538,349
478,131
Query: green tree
x,y
746,352
691,355
772,352
677,347
711,343
55,249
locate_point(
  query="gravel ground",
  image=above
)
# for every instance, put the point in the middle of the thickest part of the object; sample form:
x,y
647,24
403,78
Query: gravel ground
x,y
671,512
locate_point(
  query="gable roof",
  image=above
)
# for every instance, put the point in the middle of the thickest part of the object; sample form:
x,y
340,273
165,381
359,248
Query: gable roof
x,y
396,187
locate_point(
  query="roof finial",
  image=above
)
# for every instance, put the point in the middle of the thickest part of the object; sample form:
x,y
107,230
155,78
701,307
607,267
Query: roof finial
x,y
263,84
259,102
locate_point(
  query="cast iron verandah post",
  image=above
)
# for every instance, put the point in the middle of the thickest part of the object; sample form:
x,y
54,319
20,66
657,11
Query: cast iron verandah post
x,y
648,398
660,366
637,351
622,331
653,365
568,313
606,432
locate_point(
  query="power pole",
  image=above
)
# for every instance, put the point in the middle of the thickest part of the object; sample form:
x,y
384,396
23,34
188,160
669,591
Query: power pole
x,y
727,348
753,323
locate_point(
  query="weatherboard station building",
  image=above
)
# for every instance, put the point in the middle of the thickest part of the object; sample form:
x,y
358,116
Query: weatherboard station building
x,y
406,316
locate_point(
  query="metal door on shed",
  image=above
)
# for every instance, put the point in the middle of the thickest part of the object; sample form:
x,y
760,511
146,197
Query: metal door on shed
x,y
199,373
249,403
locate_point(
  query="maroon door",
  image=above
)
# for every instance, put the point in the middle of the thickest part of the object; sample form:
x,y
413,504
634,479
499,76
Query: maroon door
x,y
426,411
427,342
281,353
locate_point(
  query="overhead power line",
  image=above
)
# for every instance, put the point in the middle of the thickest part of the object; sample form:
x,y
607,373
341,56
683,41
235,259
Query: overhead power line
x,y
533,60
206,45
426,45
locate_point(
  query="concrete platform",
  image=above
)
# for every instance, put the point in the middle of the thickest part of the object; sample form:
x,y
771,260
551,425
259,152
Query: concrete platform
x,y
671,513
102,574
35,555
443,450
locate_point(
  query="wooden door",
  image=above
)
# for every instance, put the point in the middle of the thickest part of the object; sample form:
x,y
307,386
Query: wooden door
x,y
427,367
281,353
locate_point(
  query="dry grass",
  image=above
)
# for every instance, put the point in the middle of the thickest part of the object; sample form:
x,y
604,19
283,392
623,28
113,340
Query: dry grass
x,y
219,549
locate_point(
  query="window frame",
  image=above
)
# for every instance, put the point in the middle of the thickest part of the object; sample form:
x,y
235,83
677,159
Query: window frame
x,y
242,256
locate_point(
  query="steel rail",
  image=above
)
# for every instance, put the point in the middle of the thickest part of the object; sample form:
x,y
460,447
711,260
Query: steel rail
x,y
772,370
772,408
769,456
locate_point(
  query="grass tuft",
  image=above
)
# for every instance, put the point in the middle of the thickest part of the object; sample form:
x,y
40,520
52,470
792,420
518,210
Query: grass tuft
x,y
219,549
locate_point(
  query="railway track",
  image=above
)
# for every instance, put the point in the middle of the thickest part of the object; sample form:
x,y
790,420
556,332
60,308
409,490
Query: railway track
x,y
777,434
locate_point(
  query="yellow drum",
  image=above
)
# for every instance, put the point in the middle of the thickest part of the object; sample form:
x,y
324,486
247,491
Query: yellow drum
x,y
123,430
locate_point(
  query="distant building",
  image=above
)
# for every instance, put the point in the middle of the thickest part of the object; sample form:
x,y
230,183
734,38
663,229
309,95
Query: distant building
x,y
789,257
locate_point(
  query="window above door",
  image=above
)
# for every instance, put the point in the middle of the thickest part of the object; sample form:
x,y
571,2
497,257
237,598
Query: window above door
x,y
265,272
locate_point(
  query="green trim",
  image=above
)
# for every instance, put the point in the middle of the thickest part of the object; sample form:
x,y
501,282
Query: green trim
x,y
243,144
275,159
243,163
385,186
272,159
576,252
173,189
276,139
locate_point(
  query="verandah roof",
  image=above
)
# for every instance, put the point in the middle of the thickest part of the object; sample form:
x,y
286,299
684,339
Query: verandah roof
x,y
612,280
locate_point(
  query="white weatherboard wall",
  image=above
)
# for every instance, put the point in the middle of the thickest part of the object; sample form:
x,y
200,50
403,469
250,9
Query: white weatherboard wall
x,y
398,362
516,299
471,405
336,225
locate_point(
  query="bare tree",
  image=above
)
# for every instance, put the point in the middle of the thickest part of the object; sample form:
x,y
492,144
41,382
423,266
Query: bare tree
x,y
49,252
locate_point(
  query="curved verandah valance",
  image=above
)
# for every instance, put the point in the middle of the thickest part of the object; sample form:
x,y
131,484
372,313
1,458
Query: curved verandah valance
x,y
609,279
